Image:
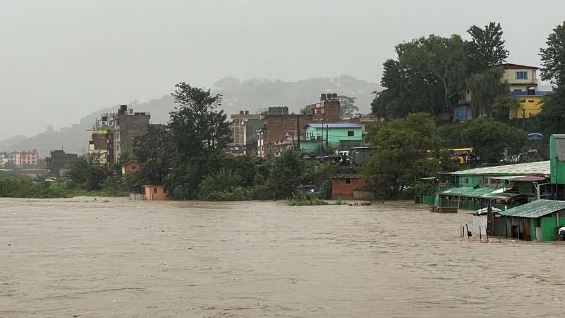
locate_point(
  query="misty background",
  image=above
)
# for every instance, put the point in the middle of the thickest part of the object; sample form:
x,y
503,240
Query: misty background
x,y
62,62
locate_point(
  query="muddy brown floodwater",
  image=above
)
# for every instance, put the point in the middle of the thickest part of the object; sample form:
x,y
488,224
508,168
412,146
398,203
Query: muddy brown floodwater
x,y
119,258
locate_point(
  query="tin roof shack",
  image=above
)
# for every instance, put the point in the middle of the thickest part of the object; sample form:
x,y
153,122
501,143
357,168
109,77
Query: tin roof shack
x,y
155,192
500,186
534,221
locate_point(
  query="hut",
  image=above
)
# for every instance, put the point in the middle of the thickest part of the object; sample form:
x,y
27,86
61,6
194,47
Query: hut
x,y
535,221
155,192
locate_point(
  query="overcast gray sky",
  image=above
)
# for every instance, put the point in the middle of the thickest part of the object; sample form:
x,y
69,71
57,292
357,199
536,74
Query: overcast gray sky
x,y
62,59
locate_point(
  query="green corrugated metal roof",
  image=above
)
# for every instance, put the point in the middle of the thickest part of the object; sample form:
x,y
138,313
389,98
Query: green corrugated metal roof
x,y
530,168
535,209
471,192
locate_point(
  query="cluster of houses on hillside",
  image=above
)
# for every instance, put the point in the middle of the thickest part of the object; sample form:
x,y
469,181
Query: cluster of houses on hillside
x,y
523,84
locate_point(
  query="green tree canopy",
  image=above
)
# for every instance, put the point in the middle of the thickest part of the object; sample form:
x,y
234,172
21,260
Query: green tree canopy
x,y
407,150
492,140
486,48
484,88
553,57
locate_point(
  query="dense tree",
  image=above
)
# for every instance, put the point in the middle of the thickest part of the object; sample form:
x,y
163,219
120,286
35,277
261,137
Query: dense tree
x,y
491,140
551,120
484,88
486,48
200,133
439,58
89,172
156,151
408,151
348,108
427,77
553,57
286,174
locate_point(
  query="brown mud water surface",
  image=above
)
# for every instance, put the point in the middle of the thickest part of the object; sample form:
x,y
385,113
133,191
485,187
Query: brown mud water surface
x,y
119,258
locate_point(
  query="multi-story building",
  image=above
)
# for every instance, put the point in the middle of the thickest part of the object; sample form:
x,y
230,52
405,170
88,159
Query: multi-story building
x,y
114,134
328,109
520,78
340,136
523,83
281,131
239,122
59,162
24,158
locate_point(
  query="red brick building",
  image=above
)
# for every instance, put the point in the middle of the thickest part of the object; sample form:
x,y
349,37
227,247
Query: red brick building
x,y
344,186
280,131
328,109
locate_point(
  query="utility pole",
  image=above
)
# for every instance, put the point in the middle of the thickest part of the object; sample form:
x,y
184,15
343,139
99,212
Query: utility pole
x,y
298,131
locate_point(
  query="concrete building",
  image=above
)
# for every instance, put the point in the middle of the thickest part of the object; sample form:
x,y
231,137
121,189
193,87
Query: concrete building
x,y
328,109
520,78
250,128
24,158
59,162
114,134
341,136
280,131
128,127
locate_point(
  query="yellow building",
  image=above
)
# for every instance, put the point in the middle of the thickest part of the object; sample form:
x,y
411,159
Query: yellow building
x,y
523,83
530,106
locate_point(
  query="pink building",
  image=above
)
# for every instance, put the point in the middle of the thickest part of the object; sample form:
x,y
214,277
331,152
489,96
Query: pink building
x,y
24,158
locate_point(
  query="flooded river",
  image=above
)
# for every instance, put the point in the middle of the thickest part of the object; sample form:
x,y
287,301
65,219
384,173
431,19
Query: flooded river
x,y
118,258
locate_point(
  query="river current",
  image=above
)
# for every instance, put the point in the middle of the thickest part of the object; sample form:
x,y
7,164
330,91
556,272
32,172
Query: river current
x,y
118,258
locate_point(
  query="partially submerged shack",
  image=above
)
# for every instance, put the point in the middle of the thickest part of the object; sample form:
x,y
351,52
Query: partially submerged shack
x,y
535,221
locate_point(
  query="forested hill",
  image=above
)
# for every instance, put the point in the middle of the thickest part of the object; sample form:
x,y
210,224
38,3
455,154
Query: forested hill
x,y
237,95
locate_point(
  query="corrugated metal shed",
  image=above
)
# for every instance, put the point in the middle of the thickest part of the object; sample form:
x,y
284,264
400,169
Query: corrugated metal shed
x,y
535,209
471,192
540,168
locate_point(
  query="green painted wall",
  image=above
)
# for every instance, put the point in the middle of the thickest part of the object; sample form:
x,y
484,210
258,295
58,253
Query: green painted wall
x,y
557,158
549,227
334,135
469,181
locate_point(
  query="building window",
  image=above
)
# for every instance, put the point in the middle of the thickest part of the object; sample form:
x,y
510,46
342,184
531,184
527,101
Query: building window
x,y
347,181
350,133
155,190
522,75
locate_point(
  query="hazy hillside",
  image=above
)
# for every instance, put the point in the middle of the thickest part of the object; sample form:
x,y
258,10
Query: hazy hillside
x,y
238,95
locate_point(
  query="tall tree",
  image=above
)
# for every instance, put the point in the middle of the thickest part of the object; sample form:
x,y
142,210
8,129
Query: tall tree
x,y
156,151
553,57
200,133
484,88
440,59
348,108
486,48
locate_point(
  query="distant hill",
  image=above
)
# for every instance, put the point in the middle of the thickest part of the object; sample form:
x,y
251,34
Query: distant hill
x,y
238,95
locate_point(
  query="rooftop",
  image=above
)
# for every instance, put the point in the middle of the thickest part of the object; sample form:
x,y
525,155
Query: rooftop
x,y
471,192
535,209
510,66
336,125
520,169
